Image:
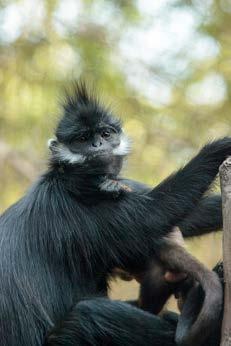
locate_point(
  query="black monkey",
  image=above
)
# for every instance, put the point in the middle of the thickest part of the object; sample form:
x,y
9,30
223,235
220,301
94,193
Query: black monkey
x,y
171,254
61,241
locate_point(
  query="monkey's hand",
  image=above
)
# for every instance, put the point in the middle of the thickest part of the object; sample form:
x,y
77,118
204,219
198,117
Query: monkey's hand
x,y
114,187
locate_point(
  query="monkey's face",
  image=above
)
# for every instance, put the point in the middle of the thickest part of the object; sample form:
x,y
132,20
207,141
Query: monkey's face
x,y
98,141
94,143
103,142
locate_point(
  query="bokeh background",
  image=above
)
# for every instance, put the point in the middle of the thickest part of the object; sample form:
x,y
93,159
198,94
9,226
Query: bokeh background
x,y
163,65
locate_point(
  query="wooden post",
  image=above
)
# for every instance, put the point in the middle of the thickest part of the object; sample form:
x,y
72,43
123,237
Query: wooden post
x,y
225,179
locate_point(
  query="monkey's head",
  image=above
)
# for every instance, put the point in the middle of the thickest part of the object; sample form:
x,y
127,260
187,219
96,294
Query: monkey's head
x,y
88,133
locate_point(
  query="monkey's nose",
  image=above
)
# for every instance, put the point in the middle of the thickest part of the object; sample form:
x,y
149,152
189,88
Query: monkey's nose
x,y
96,144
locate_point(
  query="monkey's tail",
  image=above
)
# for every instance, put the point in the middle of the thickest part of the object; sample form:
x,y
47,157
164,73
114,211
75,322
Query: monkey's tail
x,y
195,322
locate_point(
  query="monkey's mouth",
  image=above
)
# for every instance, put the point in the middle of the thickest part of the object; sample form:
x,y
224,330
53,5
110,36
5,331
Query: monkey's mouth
x,y
99,154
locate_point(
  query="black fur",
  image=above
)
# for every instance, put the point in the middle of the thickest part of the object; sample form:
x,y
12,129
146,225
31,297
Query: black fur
x,y
61,241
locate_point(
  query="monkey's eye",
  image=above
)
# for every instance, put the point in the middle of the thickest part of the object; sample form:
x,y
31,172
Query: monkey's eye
x,y
106,134
83,138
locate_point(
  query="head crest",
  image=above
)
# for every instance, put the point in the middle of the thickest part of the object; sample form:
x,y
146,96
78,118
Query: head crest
x,y
82,111
79,95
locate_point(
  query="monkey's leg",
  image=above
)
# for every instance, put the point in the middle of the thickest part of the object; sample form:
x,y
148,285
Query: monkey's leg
x,y
194,323
155,290
99,321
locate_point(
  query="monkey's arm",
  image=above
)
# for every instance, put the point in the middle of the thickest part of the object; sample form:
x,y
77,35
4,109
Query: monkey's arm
x,y
177,196
205,218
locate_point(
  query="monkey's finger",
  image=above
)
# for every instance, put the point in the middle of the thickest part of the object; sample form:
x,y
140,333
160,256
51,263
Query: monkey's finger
x,y
174,277
126,188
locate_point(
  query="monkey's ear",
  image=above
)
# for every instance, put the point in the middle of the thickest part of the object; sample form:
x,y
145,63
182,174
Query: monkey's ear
x,y
52,144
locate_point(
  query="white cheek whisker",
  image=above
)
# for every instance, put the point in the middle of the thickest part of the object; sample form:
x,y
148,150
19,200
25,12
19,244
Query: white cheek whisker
x,y
62,153
66,155
124,147
51,142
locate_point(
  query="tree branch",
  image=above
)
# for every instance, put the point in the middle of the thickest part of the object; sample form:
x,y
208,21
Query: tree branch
x,y
225,178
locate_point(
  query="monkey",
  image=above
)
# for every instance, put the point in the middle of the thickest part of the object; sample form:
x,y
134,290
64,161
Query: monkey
x,y
154,289
113,186
62,239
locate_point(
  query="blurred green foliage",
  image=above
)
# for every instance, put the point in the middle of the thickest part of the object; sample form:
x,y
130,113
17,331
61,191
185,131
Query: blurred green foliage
x,y
164,66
